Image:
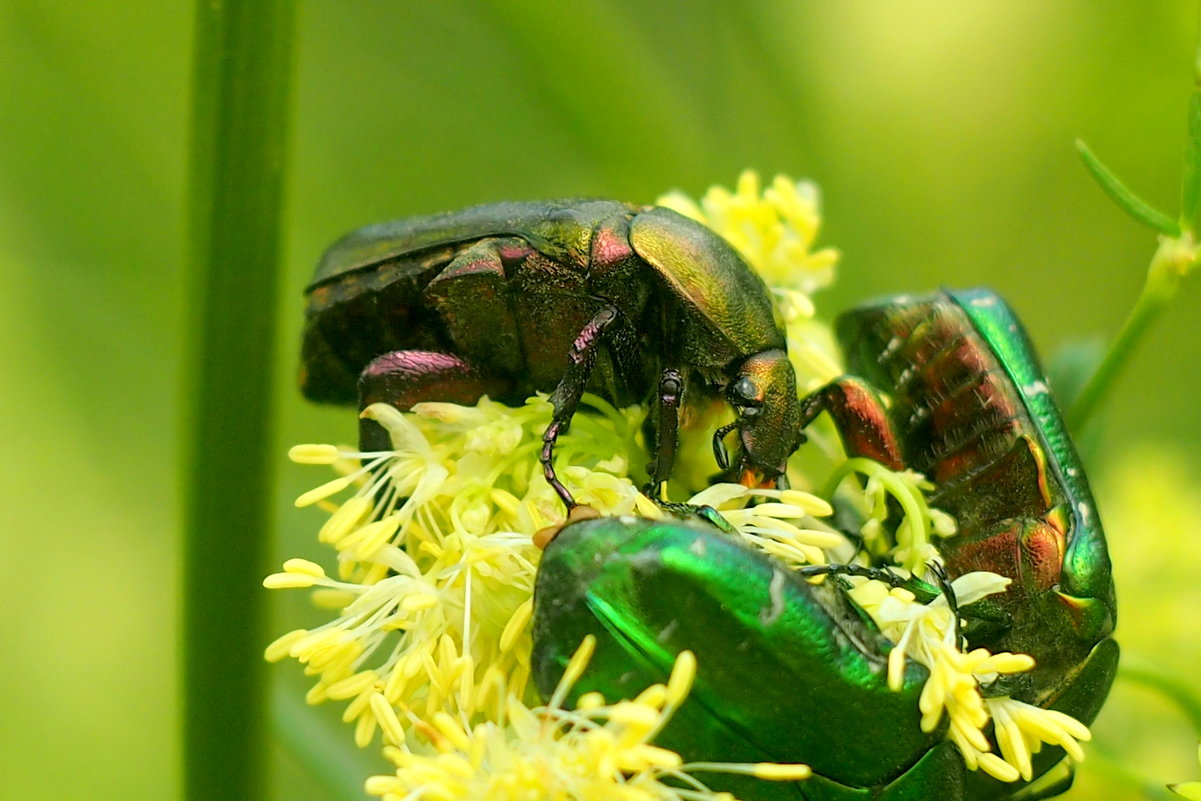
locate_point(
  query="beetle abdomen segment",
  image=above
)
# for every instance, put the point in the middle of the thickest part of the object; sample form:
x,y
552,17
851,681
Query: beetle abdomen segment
x,y
972,410
365,314
953,409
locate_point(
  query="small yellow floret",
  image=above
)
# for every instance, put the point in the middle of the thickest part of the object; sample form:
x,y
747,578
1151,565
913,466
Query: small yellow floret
x,y
304,567
287,581
926,634
516,625
282,646
313,454
597,752
579,660
774,771
324,491
682,676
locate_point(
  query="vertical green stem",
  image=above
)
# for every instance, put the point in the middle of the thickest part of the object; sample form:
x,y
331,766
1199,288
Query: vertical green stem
x,y
1171,261
1190,189
243,68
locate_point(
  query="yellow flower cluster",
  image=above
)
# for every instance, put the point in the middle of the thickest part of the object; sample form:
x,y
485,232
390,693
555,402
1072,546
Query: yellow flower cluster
x,y
430,644
437,559
435,551
769,525
927,633
913,547
1021,729
596,751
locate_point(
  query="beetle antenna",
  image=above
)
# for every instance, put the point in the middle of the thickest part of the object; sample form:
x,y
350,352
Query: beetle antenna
x,y
944,583
719,447
878,573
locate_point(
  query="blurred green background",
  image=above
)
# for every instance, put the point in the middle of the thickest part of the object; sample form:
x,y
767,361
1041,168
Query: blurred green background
x,y
940,132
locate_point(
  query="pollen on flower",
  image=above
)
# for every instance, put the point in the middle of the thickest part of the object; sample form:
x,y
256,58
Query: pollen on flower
x,y
598,751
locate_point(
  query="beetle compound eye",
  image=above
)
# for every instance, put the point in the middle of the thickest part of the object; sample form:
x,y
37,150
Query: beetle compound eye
x,y
745,392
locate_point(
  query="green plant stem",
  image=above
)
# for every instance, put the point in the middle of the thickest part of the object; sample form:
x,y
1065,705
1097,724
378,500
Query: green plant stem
x,y
1171,260
243,67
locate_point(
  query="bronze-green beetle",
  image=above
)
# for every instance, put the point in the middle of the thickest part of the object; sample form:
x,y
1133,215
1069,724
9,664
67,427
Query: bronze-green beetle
x,y
561,296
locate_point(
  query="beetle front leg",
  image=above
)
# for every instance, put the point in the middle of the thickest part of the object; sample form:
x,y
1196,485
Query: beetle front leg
x,y
407,377
665,428
861,419
566,397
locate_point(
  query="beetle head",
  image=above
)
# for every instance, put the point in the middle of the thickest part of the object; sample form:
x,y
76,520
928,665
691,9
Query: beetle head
x,y
767,415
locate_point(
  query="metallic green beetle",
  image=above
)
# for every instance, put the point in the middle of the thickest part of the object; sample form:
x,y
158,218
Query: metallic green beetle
x,y
509,298
794,672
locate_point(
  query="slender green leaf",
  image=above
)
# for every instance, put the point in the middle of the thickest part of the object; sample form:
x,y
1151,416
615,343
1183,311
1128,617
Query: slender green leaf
x,y
1163,280
243,68
1133,205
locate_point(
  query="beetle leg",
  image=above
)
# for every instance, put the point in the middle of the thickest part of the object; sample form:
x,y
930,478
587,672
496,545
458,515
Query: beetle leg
x,y
861,419
406,377
566,397
923,591
666,428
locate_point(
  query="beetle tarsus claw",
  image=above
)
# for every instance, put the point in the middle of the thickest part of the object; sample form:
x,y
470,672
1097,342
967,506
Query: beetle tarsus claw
x,y
577,512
